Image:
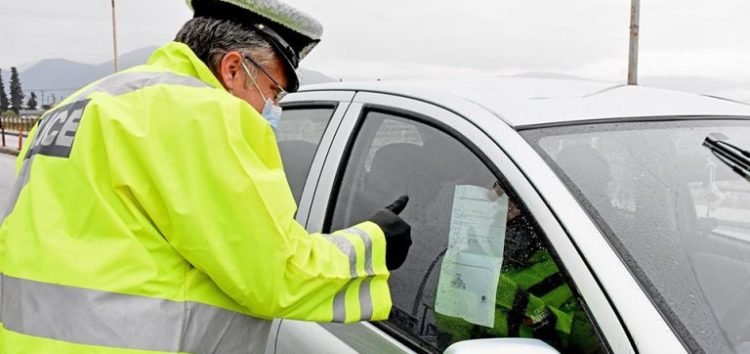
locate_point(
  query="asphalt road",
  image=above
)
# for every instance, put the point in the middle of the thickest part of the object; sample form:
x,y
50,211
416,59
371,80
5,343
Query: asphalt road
x,y
7,177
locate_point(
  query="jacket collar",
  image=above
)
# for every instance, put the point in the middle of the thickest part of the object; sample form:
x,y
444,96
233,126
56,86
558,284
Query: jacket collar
x,y
179,58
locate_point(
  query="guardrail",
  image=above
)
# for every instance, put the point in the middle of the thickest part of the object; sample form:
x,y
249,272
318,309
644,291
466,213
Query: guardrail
x,y
14,129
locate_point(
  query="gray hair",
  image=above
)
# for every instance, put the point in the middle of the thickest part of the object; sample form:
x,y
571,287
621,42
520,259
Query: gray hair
x,y
211,38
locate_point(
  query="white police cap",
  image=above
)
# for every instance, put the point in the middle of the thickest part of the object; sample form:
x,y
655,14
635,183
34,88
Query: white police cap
x,y
292,32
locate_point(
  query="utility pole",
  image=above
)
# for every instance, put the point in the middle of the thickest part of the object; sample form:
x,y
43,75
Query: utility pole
x,y
635,15
114,35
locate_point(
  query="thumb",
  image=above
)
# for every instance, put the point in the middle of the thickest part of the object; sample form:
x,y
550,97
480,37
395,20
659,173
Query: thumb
x,y
398,206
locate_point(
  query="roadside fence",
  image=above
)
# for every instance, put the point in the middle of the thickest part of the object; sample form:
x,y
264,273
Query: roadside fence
x,y
14,129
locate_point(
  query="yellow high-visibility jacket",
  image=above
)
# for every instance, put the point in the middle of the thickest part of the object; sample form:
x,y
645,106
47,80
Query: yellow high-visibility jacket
x,y
151,214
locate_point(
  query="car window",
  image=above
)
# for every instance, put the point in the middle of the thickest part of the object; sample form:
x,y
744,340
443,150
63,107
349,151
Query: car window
x,y
676,211
479,266
299,134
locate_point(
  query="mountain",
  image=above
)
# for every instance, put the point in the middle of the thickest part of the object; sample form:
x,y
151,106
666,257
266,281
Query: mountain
x,y
61,77
131,59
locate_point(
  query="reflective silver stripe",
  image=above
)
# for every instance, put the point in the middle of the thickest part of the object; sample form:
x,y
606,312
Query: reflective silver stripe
x,y
366,307
1,298
365,300
214,330
346,247
126,82
101,318
339,304
367,240
15,191
339,301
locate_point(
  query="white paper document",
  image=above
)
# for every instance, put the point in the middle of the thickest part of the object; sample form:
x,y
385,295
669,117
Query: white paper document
x,y
470,271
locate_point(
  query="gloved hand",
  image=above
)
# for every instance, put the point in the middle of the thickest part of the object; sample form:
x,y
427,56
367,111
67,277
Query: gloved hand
x,y
397,232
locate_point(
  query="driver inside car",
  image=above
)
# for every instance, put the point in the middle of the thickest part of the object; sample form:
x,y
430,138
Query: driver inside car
x,y
533,299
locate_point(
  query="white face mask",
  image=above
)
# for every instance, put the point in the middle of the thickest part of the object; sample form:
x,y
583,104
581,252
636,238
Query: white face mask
x,y
272,113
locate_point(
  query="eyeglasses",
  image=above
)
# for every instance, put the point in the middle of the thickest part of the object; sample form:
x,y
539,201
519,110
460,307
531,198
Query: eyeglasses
x,y
280,92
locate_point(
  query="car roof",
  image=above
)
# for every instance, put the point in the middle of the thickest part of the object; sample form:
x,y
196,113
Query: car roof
x,y
524,102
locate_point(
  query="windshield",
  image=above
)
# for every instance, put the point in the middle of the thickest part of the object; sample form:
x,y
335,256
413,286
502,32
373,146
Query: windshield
x,y
678,216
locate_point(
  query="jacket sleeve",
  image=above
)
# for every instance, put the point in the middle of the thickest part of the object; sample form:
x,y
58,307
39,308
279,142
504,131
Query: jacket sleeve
x,y
215,189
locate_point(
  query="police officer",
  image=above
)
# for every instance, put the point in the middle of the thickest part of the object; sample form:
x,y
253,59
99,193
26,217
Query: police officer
x,y
151,212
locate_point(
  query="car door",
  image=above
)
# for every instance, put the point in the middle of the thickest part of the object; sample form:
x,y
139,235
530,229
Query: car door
x,y
456,284
304,137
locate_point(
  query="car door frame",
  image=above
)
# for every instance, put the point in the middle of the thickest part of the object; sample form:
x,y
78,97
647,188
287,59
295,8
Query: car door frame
x,y
597,301
315,99
340,100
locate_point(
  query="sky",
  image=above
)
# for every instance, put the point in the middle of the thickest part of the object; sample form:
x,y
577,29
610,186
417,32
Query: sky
x,y
386,39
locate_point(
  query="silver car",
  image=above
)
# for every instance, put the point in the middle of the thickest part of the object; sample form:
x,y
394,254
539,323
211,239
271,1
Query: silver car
x,y
547,215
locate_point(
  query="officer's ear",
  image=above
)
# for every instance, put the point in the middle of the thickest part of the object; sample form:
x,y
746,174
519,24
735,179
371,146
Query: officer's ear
x,y
229,71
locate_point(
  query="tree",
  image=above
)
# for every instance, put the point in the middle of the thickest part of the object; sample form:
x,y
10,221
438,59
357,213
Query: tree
x,y
16,92
3,96
31,104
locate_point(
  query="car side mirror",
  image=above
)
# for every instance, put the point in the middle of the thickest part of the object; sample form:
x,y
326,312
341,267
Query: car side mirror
x,y
501,345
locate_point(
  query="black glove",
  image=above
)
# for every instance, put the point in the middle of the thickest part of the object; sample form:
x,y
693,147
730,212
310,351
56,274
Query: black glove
x,y
397,232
